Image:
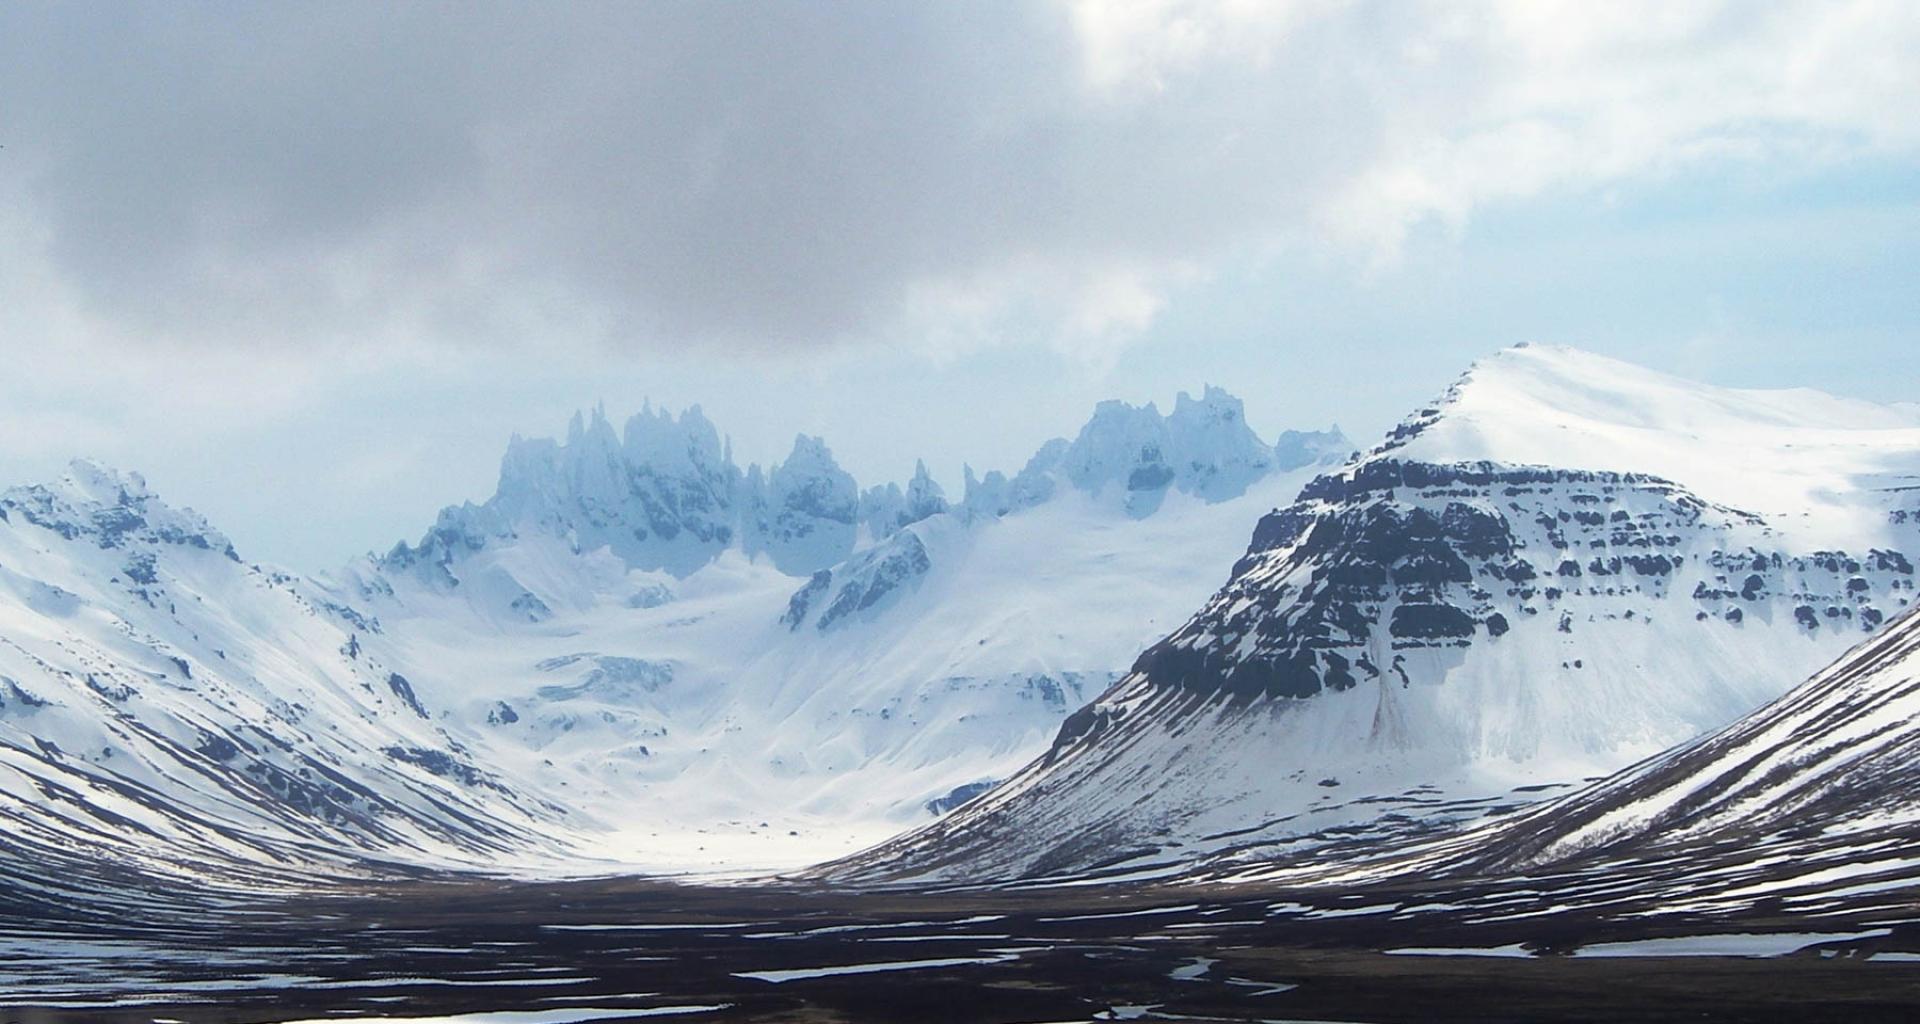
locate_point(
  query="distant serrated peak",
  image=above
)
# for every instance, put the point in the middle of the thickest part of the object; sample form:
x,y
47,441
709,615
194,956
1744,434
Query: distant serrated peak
x,y
1214,402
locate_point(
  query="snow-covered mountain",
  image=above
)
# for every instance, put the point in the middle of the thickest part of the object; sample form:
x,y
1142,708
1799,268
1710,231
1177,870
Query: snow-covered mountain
x,y
1564,565
164,700
637,651
664,495
727,666
634,651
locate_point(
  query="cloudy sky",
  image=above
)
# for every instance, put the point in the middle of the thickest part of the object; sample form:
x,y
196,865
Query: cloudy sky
x,y
309,265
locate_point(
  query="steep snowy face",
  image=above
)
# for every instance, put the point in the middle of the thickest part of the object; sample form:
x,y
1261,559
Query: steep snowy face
x,y
661,499
1496,597
1837,756
1815,467
163,699
1808,803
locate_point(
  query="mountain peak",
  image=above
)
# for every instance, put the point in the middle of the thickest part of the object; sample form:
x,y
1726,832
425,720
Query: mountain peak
x,y
810,450
1760,451
887,509
111,507
91,482
1203,447
1213,400
807,514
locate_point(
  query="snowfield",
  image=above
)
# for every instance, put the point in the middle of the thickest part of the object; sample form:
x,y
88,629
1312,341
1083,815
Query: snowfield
x,y
637,656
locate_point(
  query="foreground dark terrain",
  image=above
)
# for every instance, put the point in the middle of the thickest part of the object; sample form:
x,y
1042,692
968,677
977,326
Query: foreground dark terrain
x,y
627,949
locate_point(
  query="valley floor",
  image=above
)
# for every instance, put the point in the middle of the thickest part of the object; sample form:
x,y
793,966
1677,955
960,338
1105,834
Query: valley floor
x,y
490,952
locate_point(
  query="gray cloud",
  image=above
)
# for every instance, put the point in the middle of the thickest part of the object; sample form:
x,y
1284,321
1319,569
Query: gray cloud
x,y
772,175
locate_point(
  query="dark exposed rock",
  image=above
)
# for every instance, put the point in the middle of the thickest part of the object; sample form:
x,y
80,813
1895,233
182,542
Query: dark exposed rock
x,y
12,693
439,762
1889,561
140,568
363,623
219,748
1430,622
1153,476
404,690
112,690
802,600
531,607
875,576
958,795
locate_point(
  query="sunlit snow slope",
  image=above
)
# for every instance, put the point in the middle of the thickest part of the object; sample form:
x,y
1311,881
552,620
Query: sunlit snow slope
x,y
1564,565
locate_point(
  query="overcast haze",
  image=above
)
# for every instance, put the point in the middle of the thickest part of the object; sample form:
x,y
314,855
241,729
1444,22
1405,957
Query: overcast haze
x,y
307,265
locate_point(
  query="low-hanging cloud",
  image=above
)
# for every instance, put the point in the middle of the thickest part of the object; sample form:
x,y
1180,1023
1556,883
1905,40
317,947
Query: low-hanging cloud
x,y
773,176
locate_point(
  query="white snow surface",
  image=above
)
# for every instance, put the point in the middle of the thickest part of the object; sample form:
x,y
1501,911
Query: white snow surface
x,y
607,666
1750,944
1801,459
704,734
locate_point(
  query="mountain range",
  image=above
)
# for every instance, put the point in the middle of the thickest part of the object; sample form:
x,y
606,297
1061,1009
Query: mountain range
x,y
635,653
638,655
1563,565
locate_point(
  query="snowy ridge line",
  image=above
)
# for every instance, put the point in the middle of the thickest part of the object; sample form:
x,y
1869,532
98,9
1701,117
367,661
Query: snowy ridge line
x,y
665,494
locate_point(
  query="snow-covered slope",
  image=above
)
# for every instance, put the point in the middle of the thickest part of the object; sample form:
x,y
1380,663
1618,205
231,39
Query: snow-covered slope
x,y
1837,756
1563,566
726,667
162,700
1808,806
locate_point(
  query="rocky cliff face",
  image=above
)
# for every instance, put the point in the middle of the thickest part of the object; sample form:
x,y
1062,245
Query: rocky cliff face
x,y
1393,557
